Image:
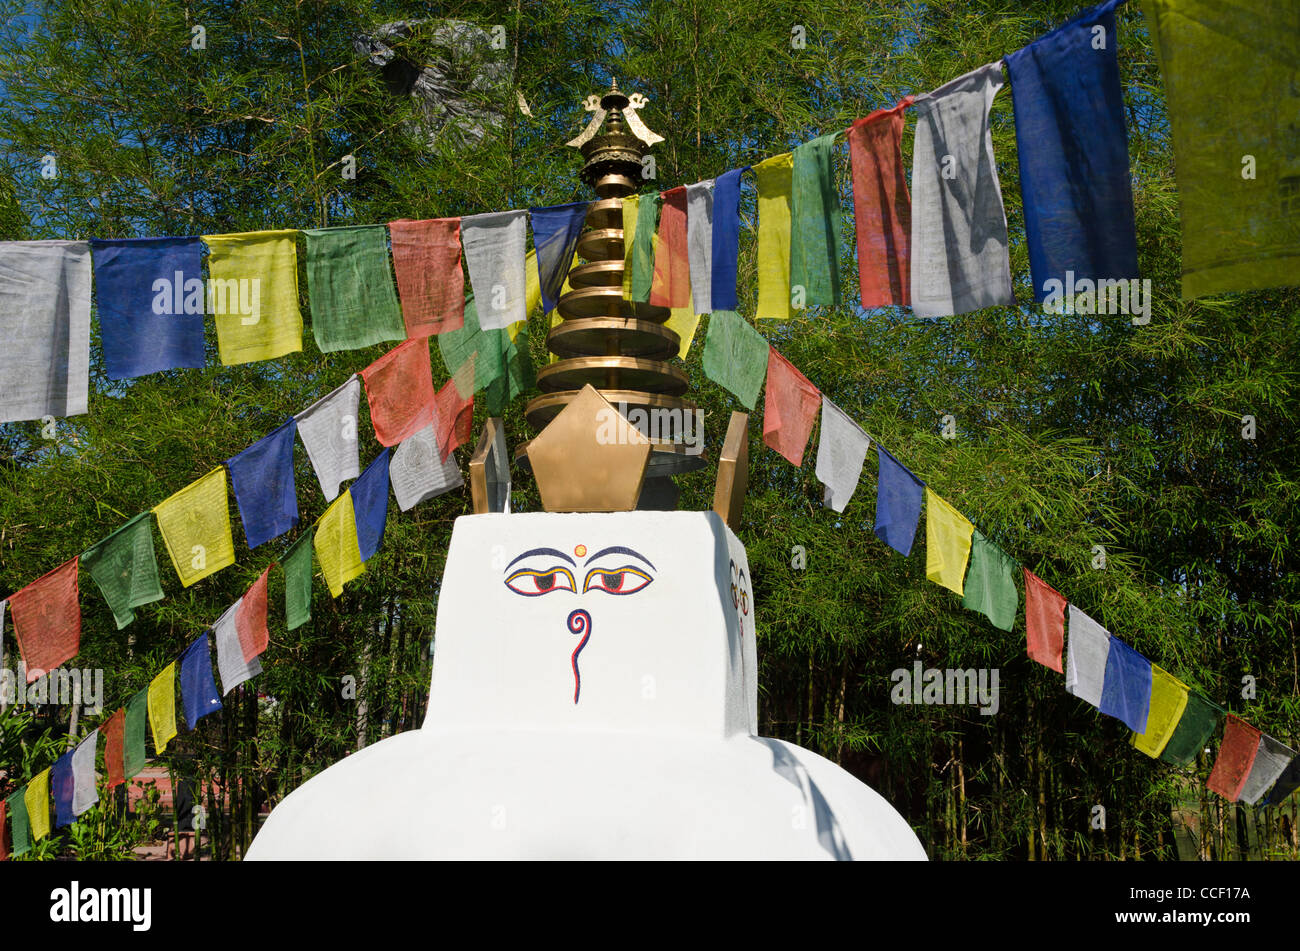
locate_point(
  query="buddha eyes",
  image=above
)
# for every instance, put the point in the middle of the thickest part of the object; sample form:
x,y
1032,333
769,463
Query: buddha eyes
x,y
620,581
531,582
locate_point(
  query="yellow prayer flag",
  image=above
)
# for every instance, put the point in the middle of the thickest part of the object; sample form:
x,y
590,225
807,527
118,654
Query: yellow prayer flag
x,y
532,292
683,322
37,801
335,542
947,543
1168,701
556,319
775,180
630,205
253,294
162,707
195,526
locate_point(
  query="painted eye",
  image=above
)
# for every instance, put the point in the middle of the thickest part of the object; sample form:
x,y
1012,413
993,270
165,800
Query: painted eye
x,y
619,581
531,582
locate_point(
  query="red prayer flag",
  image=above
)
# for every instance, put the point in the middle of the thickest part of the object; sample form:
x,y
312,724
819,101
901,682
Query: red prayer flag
x,y
1044,621
790,406
1236,756
882,208
455,416
250,618
114,729
672,287
399,388
47,620
4,831
426,259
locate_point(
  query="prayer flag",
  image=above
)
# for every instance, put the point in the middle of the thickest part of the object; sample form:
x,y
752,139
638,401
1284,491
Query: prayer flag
x,y
124,567
790,407
418,472
455,411
494,254
1236,756
61,790
1271,758
555,236
683,321
502,366
195,526
815,222
736,356
336,545
898,502
643,247
672,260
1044,622
162,708
430,282
947,542
4,832
350,288
150,304
250,618
328,430
1086,656
262,477
45,326
37,800
726,239
630,208
47,620
231,665
882,207
1198,722
1078,201
1229,78
370,505
253,295
298,574
84,794
198,690
959,227
1286,784
775,178
699,246
990,584
1168,701
21,840
841,452
1126,691
399,388
133,749
533,289
114,749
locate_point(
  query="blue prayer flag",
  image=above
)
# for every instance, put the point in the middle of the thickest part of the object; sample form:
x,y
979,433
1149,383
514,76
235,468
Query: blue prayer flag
x,y
726,238
1126,691
62,785
555,236
198,690
1073,147
262,476
370,505
151,298
898,503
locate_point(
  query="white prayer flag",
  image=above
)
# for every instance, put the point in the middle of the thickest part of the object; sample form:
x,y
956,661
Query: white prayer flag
x,y
1087,648
231,665
84,794
328,429
840,454
699,244
1271,757
494,255
418,472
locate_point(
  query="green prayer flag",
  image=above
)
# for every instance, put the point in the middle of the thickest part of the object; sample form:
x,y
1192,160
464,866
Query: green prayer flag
x,y
502,366
990,583
815,223
1200,717
133,752
735,356
643,245
20,841
297,582
125,569
350,286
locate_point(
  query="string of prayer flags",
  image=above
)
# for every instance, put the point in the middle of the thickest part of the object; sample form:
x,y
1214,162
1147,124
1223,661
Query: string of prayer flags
x,y
1078,201
790,406
1085,659
775,182
399,388
418,472
1236,755
990,583
61,790
253,295
642,244
297,572
353,298
455,404
841,453
882,207
494,255
735,356
150,297
1199,720
250,617
125,569
195,526
959,226
370,505
328,430
699,245
726,239
162,708
335,542
555,236
198,690
114,749
815,223
898,502
37,801
262,477
947,542
133,749
84,794
1271,758
1168,701
672,258
502,366
47,620
1126,691
231,664
20,825
1238,233
1044,622
45,325
430,282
